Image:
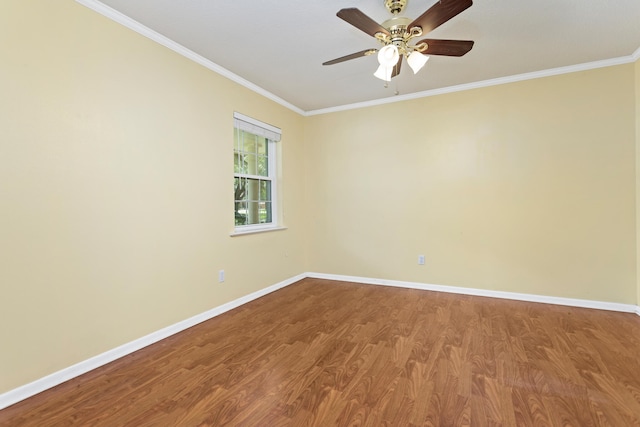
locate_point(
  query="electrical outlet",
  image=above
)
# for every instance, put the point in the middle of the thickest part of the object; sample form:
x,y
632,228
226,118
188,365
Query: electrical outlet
x,y
221,276
420,259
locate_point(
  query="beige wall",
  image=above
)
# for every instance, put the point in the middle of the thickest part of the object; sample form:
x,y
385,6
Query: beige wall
x,y
525,187
115,189
115,196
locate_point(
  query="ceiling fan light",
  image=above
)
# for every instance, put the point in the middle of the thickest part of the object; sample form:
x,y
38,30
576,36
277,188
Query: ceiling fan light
x,y
388,56
384,73
417,60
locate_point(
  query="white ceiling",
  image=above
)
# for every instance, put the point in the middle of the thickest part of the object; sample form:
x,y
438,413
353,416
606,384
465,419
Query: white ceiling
x,y
280,45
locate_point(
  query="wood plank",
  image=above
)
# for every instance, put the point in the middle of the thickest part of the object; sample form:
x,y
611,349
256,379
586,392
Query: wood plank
x,y
322,353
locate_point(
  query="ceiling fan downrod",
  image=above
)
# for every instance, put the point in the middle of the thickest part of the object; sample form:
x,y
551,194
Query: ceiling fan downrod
x,y
395,7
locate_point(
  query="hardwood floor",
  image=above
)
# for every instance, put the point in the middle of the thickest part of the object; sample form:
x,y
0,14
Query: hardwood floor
x,y
326,353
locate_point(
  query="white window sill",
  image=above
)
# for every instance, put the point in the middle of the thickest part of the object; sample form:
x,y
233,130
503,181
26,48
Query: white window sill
x,y
255,231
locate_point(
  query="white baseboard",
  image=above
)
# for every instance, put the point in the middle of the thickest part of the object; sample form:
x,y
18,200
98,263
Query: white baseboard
x,y
610,306
16,395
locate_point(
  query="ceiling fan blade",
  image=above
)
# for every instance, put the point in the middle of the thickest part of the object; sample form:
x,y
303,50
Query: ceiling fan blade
x,y
439,13
446,47
361,21
360,54
396,68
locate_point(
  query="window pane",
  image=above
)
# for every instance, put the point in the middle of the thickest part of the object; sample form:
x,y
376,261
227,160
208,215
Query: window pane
x,y
253,213
240,189
251,164
236,140
265,212
262,146
249,142
263,166
265,190
253,189
238,163
241,213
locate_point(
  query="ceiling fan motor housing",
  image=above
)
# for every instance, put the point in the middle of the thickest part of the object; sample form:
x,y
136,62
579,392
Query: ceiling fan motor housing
x,y
399,36
395,6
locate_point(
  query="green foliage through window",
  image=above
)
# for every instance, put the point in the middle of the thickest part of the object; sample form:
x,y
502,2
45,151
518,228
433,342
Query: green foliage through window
x,y
252,179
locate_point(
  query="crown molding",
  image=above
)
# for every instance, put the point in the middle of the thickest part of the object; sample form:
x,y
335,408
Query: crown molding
x,y
134,25
484,83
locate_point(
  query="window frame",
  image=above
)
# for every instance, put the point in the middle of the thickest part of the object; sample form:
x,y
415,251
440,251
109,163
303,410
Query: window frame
x,y
272,136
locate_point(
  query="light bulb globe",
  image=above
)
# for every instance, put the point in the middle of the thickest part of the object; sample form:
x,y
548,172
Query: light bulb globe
x,y
388,56
417,60
384,73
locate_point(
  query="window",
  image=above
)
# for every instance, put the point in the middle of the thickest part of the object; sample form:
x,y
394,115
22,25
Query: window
x,y
254,174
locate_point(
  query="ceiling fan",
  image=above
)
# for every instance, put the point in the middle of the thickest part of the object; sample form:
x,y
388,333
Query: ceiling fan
x,y
396,33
